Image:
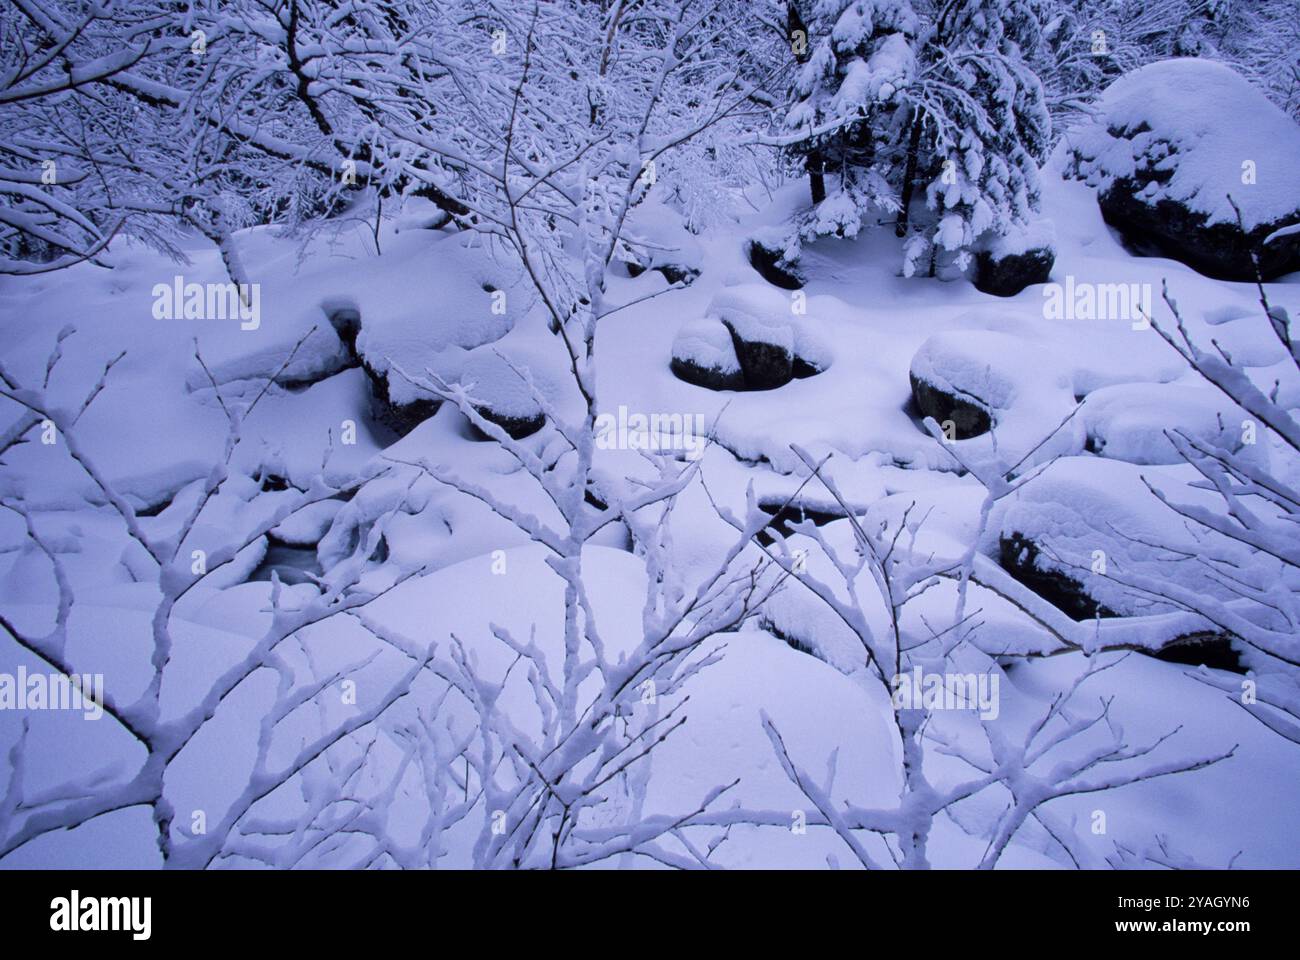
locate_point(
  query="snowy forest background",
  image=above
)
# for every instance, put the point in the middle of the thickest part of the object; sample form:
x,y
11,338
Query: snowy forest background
x,y
649,433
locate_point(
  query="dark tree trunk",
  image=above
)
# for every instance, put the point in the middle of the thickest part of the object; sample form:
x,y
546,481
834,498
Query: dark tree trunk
x,y
800,45
816,177
909,176
796,33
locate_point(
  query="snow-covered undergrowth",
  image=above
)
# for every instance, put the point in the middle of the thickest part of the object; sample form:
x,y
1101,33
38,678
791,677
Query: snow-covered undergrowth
x,y
761,433
786,692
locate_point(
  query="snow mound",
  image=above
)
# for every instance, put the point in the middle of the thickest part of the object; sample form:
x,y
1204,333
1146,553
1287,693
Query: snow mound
x,y
817,710
506,380
656,239
1129,421
476,302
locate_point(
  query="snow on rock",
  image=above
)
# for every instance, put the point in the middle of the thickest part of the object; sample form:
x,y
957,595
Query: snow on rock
x,y
1073,532
705,354
1172,141
771,335
1007,263
656,239
984,387
1129,422
422,328
505,386
774,259
940,522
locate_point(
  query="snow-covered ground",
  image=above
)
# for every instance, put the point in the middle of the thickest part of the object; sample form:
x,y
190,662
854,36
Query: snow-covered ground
x,y
426,305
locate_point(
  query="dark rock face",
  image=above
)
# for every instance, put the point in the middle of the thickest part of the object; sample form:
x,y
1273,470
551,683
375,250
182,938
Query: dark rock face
x,y
968,418
711,378
682,274
517,427
1018,555
1218,250
401,418
765,366
802,369
772,267
346,322
784,515
1009,275
1214,650
678,273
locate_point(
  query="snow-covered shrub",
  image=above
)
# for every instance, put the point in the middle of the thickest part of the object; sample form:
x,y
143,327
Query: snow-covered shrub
x,y
657,239
505,386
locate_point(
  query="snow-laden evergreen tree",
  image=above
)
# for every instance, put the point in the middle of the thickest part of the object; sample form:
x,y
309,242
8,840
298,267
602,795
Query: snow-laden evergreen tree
x,y
899,101
982,115
857,57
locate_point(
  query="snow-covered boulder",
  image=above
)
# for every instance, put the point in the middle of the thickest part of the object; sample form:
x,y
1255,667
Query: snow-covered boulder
x,y
751,339
968,417
1129,421
1006,264
1075,532
1172,142
974,381
502,395
478,302
768,256
705,355
401,408
764,346
656,239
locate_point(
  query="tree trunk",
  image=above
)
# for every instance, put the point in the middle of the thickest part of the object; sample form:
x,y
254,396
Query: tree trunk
x,y
909,176
816,176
